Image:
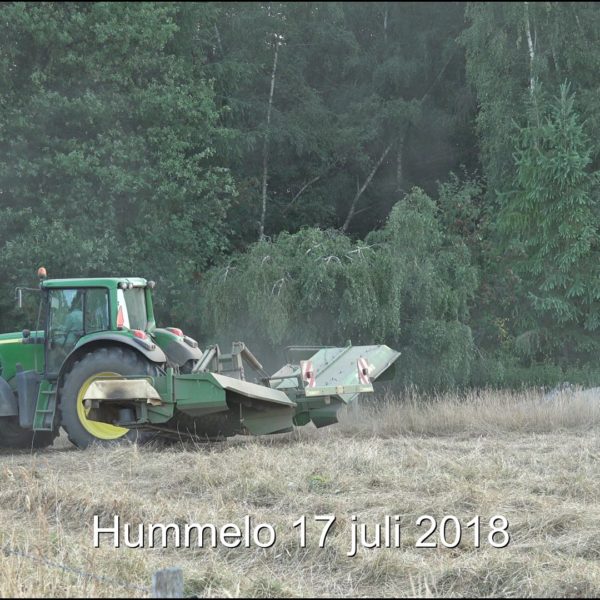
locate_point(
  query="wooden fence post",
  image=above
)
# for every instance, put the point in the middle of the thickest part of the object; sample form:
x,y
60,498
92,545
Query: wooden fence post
x,y
168,583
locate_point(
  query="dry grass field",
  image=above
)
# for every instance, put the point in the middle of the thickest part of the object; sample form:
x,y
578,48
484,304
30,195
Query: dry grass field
x,y
532,460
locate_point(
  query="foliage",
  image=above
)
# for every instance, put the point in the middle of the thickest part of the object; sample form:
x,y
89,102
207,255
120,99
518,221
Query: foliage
x,y
407,285
504,370
550,222
514,49
134,140
351,79
107,144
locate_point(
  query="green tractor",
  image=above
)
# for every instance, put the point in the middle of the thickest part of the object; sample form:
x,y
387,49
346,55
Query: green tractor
x,y
99,367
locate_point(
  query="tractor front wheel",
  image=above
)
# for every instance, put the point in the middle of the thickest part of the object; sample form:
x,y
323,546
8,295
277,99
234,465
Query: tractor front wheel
x,y
104,362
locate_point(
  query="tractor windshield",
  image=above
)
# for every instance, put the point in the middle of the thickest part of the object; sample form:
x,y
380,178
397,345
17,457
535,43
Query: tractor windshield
x,y
135,303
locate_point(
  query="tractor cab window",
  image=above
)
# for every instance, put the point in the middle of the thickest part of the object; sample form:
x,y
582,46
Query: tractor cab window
x,y
133,304
96,310
73,313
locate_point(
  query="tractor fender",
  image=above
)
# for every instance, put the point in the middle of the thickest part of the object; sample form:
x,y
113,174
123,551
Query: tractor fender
x,y
179,353
8,401
154,355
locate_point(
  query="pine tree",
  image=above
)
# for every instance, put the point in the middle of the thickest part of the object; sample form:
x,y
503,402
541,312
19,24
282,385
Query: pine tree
x,y
551,221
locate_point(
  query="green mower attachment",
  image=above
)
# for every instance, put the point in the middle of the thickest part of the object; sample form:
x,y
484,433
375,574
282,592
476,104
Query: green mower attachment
x,y
212,404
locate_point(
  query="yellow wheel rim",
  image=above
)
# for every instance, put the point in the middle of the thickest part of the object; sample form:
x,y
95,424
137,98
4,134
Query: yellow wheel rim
x,y
101,431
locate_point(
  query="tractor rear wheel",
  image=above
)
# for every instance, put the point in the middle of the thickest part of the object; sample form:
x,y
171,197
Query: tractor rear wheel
x,y
103,362
13,436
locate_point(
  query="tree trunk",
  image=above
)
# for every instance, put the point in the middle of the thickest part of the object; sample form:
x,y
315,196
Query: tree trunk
x,y
531,48
219,40
385,22
263,215
360,190
302,190
399,164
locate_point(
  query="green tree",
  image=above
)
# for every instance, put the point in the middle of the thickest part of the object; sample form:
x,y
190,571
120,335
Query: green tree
x,y
368,99
107,137
550,221
513,49
431,274
514,52
407,285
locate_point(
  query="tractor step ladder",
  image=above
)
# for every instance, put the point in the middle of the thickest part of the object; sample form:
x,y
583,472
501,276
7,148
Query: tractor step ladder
x,y
46,408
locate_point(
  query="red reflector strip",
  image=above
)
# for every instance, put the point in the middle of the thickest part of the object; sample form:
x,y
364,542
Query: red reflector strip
x,y
175,331
363,371
308,373
120,318
139,334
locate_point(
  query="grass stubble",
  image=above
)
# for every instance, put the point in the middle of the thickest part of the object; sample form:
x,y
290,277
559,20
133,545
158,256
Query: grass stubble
x,y
533,460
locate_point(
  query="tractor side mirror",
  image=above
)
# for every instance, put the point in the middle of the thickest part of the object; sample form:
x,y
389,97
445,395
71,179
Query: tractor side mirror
x,y
20,297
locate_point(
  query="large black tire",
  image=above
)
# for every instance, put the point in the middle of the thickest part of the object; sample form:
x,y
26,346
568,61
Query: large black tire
x,y
112,359
13,436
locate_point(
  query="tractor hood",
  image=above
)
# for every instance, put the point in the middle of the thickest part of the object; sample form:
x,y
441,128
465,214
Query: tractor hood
x,y
10,338
17,337
13,351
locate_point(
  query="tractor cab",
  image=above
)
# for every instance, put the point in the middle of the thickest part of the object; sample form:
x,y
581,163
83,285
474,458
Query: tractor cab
x,y
79,315
81,310
87,329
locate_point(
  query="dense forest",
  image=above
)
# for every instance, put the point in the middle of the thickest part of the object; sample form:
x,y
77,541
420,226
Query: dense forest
x,y
424,175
